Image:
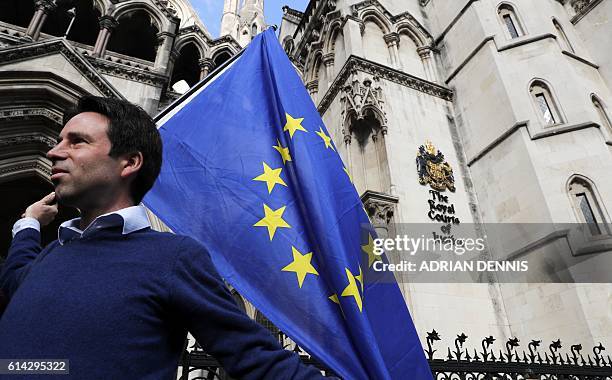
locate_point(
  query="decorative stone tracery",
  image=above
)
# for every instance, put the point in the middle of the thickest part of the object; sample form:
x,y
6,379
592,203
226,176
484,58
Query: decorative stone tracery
x,y
381,209
362,95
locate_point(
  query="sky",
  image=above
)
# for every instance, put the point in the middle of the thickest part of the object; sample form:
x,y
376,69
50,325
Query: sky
x,y
210,12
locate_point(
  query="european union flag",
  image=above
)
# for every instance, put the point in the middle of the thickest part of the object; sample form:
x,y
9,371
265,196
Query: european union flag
x,y
252,173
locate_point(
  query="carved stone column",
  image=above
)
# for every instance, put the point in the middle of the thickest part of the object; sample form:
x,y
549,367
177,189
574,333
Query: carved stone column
x,y
426,55
380,208
328,61
206,66
107,25
43,8
174,56
165,40
392,40
313,87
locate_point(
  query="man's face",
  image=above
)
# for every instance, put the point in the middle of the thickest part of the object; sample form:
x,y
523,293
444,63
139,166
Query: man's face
x,y
83,173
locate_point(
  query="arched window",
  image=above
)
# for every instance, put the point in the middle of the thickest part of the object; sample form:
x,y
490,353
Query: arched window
x,y
17,12
186,66
587,206
410,60
545,103
603,114
220,58
253,31
288,46
510,21
375,48
366,149
563,40
136,36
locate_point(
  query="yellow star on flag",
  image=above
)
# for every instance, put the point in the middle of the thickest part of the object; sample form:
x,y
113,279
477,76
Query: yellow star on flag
x,y
284,152
334,298
272,220
369,249
348,174
293,125
351,290
326,138
271,177
300,265
360,279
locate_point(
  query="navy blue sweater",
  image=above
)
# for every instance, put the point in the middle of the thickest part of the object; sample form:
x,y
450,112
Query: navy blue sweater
x,y
119,307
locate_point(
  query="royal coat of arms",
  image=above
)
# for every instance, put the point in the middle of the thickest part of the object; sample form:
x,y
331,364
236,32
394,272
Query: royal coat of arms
x,y
433,170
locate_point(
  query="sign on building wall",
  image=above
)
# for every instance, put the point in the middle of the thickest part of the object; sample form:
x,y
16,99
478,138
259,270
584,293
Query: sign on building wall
x,y
433,170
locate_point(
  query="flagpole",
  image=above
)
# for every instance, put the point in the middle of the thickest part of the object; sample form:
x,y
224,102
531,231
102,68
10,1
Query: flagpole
x,y
201,83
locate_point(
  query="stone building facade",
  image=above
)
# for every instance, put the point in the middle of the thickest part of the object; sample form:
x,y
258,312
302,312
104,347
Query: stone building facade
x,y
516,94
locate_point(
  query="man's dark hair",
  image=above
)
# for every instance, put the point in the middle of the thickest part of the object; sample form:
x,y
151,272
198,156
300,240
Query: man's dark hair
x,y
130,130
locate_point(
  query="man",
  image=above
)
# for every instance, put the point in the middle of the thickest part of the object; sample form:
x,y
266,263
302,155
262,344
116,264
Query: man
x,y
111,295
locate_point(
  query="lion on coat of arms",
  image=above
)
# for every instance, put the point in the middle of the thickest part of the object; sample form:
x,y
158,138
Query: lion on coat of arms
x,y
433,170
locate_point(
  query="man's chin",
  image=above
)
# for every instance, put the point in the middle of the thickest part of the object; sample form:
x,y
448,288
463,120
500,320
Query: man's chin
x,y
62,197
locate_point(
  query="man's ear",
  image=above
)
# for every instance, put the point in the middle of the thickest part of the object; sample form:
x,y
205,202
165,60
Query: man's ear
x,y
131,163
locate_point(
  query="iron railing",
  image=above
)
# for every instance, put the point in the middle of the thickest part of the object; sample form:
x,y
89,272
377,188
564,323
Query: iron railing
x,y
461,362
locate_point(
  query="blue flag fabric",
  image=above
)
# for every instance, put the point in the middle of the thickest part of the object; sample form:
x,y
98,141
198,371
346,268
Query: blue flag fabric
x,y
250,171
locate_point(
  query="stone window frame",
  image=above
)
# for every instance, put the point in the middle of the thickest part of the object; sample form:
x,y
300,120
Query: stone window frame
x,y
585,200
541,93
563,40
507,12
604,116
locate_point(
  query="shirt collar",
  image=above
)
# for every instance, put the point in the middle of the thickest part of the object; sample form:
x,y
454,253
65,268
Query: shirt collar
x,y
131,219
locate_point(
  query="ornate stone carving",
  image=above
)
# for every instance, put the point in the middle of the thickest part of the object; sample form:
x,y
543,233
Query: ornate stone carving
x,y
294,15
391,38
30,113
226,40
52,46
34,138
355,64
312,87
127,72
108,22
361,95
424,52
328,59
380,207
206,63
25,167
166,8
46,5
580,5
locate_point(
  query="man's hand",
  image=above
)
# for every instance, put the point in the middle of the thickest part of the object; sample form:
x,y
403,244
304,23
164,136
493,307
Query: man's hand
x,y
44,210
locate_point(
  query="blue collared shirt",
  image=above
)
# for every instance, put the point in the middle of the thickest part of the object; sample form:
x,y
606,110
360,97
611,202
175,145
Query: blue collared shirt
x,y
131,219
